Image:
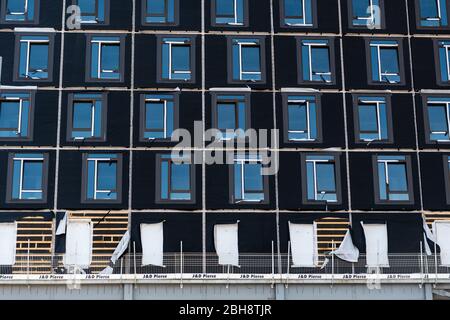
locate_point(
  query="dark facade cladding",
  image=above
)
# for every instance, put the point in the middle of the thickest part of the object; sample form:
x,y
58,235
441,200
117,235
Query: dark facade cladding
x,y
361,101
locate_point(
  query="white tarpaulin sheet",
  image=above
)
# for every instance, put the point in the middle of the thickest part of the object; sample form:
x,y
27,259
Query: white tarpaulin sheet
x,y
303,244
376,245
441,231
152,240
347,250
78,243
226,243
8,237
121,247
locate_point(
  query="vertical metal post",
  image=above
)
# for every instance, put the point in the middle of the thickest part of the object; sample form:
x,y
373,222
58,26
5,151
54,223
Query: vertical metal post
x,y
435,264
421,264
134,259
181,264
28,259
228,276
332,263
288,263
273,266
121,265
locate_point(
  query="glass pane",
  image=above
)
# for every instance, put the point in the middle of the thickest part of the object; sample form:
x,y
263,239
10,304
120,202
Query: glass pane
x,y
154,116
156,7
225,7
325,177
87,6
164,180
320,59
298,117
16,6
226,114
293,8
437,118
253,177
397,177
82,115
310,180
107,175
382,180
180,177
32,175
361,8
443,62
181,60
251,59
368,118
428,9
237,181
110,57
38,60
165,61
383,121
9,115
389,60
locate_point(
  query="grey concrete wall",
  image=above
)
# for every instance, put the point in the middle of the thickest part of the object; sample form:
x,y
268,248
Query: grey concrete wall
x,y
215,292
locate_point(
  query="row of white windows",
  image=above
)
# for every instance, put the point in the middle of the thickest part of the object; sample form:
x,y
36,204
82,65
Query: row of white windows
x,y
232,13
175,178
231,116
246,59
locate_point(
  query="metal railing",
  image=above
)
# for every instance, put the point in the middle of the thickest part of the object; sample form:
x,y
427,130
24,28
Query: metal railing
x,y
267,265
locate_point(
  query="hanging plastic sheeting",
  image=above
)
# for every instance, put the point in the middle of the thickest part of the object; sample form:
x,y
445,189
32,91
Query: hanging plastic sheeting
x,y
121,247
427,234
8,239
79,243
226,243
441,230
303,244
62,225
118,252
152,240
376,245
347,251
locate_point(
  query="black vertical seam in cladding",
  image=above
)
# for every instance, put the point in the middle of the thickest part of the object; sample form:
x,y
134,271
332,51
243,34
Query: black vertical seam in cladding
x,y
70,181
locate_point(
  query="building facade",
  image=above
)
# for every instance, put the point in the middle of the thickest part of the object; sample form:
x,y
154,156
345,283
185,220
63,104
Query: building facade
x,y
91,92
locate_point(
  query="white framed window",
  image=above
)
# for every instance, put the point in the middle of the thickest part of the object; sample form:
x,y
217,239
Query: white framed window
x,y
321,179
102,178
248,184
27,177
